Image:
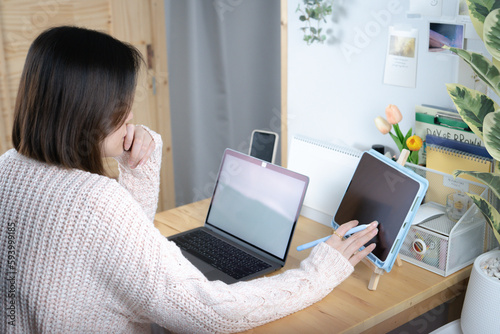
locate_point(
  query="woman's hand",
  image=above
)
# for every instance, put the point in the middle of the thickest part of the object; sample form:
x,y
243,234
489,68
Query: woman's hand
x,y
349,247
139,143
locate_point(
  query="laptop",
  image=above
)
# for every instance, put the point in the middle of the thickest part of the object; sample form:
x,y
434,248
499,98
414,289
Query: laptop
x,y
250,221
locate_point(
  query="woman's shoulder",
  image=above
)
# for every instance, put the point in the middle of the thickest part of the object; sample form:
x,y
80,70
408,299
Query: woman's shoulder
x,y
103,188
78,188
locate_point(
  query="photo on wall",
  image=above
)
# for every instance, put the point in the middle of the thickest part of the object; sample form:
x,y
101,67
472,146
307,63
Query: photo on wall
x,y
402,46
401,58
463,10
445,34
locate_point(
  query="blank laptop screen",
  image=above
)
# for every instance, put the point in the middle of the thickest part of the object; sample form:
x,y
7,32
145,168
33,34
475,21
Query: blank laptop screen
x,y
257,202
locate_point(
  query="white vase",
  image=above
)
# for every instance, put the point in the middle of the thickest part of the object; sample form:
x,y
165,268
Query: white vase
x,y
481,311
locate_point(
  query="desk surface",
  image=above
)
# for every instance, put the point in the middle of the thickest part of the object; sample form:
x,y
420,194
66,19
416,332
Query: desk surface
x,y
402,295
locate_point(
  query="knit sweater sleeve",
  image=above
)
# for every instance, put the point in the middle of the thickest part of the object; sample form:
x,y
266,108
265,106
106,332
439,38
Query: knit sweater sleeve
x,y
153,282
143,182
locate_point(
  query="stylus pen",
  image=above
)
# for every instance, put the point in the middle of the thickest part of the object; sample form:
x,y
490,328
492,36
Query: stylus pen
x,y
315,242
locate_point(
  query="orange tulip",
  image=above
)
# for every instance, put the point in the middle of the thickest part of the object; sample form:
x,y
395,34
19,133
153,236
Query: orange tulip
x,y
414,143
393,114
382,125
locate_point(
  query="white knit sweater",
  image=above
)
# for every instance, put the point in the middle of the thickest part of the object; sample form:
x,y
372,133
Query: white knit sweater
x,y
79,254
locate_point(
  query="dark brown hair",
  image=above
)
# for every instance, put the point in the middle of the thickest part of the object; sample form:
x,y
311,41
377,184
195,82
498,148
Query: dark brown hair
x,y
77,87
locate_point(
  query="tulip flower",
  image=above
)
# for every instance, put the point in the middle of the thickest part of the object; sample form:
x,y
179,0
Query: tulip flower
x,y
382,125
414,143
385,126
393,114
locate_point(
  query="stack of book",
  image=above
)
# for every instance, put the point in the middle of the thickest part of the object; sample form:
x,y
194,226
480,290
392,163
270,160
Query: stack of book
x,y
443,123
446,155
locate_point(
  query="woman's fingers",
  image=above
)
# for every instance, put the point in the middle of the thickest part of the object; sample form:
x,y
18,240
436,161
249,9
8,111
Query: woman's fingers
x,y
149,151
349,247
357,240
342,230
140,144
129,138
357,257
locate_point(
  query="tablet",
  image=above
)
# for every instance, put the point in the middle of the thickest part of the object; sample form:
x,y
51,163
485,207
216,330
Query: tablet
x,y
387,192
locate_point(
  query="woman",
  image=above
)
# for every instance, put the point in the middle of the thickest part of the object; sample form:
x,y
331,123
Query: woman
x,y
82,254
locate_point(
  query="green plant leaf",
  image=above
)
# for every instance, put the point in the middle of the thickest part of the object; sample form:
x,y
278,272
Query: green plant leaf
x,y
472,106
489,179
479,10
408,135
397,141
481,66
490,213
401,138
491,134
413,158
491,33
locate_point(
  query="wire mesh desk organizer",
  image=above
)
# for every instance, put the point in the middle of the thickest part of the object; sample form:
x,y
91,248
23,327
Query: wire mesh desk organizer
x,y
440,244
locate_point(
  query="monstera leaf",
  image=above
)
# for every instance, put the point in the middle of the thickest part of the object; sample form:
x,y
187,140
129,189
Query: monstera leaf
x,y
480,112
482,66
479,10
490,213
491,33
490,179
473,106
491,134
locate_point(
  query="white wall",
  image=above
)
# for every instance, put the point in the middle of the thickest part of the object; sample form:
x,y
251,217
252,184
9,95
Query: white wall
x,y
336,96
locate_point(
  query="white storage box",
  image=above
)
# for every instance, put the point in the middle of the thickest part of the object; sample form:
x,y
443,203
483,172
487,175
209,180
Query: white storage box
x,y
440,244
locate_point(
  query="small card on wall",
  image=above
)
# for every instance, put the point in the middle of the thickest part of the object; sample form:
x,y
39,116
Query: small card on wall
x,y
401,58
426,7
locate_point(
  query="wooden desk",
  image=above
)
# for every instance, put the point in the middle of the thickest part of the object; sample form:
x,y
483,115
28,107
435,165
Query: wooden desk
x,y
402,295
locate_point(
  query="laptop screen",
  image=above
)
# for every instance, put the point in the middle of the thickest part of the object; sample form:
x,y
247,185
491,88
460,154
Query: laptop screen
x,y
257,202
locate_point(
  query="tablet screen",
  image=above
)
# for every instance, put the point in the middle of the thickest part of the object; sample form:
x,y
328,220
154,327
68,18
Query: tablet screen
x,y
378,192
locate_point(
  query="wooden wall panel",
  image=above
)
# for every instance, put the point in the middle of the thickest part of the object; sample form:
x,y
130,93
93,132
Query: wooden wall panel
x,y
159,56
140,23
5,102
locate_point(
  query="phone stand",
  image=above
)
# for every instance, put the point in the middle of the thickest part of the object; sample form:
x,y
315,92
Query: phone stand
x,y
377,272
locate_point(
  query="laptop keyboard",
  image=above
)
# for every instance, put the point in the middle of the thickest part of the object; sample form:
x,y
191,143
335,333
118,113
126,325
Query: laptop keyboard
x,y
220,254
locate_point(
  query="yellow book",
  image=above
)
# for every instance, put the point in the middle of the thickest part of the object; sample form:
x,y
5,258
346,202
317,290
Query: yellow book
x,y
447,160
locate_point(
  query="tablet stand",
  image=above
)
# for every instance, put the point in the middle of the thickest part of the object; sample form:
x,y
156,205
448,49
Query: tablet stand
x,y
377,272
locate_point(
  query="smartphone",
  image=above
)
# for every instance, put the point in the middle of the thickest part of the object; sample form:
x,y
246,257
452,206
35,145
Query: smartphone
x,y
263,145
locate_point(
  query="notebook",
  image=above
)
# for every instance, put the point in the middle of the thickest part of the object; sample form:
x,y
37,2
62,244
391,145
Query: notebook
x,y
252,214
458,145
447,160
330,168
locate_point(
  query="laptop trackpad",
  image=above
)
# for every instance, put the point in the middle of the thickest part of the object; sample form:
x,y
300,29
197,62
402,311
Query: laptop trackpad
x,y
211,273
201,265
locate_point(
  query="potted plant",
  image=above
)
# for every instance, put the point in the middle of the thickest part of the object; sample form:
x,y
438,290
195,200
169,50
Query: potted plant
x,y
482,114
